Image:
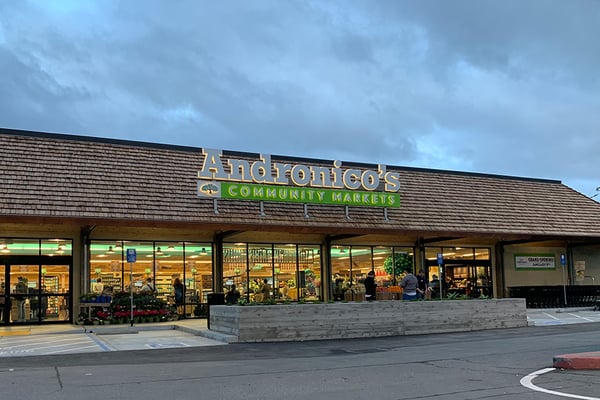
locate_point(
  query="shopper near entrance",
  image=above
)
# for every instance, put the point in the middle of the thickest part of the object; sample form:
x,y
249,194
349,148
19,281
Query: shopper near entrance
x,y
265,290
179,294
98,286
409,285
370,286
232,296
148,287
21,289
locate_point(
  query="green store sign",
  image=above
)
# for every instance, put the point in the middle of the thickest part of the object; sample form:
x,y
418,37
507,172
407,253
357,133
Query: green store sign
x,y
288,194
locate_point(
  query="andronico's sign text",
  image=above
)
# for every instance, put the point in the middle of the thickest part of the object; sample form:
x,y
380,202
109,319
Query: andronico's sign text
x,y
303,183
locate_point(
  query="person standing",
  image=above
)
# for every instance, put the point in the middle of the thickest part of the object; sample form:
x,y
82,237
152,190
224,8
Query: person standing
x,y
265,290
98,286
233,296
421,284
179,294
370,286
21,290
148,287
409,285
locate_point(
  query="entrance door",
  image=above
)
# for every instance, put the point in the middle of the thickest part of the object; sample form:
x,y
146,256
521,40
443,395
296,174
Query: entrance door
x,y
35,293
472,278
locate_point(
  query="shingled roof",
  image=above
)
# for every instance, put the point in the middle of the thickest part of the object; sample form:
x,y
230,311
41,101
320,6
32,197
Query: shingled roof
x,y
90,180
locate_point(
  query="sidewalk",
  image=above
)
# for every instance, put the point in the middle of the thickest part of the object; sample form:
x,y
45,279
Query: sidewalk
x,y
193,326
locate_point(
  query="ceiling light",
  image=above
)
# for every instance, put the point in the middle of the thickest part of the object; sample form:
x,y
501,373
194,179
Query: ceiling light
x,y
118,246
171,247
110,250
158,251
203,251
4,248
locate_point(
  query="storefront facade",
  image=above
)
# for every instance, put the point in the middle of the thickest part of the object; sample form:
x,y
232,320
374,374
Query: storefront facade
x,y
311,229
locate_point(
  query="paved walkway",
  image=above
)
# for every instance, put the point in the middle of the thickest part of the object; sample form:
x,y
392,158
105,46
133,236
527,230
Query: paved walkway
x,y
68,339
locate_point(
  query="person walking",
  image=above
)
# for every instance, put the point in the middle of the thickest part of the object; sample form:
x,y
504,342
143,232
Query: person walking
x,y
409,285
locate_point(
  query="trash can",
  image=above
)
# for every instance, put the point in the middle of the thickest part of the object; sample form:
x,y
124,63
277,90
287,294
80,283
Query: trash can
x,y
213,299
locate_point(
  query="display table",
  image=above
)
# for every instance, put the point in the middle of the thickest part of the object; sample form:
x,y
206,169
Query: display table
x,y
87,307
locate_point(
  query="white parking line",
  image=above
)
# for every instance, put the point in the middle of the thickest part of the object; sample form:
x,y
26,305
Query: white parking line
x,y
584,318
527,381
551,316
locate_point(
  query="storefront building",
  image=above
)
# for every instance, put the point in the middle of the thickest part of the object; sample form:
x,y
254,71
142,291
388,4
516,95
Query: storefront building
x,y
72,206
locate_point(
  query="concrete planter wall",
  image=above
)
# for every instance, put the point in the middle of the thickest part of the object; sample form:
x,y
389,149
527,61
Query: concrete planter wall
x,y
297,322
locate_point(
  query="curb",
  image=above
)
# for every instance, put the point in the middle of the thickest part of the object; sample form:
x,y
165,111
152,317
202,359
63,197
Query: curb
x,y
590,360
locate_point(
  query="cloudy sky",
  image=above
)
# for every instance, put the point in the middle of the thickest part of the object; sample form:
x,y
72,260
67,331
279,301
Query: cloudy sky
x,y
506,87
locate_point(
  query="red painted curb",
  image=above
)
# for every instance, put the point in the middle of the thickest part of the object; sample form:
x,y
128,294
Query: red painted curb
x,y
589,360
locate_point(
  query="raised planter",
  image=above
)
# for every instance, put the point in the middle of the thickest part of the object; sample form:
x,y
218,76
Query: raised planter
x,y
298,322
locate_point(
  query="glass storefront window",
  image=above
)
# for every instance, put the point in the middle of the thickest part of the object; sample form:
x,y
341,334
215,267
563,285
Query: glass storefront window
x,y
35,280
350,265
309,273
157,263
340,271
235,269
56,247
382,261
285,267
260,272
466,270
199,270
273,272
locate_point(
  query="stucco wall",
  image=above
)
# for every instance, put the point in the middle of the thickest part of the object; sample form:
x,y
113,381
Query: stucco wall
x,y
541,277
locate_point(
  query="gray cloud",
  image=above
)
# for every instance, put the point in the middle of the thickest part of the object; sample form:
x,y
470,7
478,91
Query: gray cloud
x,y
500,87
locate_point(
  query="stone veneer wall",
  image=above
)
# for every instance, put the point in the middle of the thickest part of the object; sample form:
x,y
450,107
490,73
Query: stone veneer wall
x,y
297,322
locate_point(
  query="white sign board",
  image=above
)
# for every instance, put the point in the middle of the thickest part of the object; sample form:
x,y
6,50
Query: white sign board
x,y
535,261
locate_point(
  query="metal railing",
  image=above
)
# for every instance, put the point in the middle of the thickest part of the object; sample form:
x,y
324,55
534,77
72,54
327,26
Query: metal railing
x,y
554,296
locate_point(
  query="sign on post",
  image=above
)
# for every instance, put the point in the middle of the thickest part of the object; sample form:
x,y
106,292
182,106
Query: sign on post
x,y
440,261
131,256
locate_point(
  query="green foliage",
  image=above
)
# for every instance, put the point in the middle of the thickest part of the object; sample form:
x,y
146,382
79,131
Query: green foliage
x,y
398,264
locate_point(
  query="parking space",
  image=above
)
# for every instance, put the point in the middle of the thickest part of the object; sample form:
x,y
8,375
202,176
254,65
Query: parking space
x,y
29,345
90,342
545,317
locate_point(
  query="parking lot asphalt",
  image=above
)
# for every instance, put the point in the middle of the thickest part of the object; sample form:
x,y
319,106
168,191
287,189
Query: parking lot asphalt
x,y
18,341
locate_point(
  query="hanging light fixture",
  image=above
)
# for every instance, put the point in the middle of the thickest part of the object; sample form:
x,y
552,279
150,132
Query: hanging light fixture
x,y
171,247
158,251
118,246
4,248
203,252
60,249
110,250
